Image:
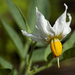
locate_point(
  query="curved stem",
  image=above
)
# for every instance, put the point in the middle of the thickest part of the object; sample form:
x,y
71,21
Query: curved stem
x,y
40,69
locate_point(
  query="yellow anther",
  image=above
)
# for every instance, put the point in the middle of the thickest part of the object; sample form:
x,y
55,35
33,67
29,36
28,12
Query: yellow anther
x,y
56,47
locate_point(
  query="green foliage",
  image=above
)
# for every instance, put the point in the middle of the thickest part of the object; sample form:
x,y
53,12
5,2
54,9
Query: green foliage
x,y
67,45
70,53
3,6
18,15
38,55
47,52
66,49
42,53
48,56
5,64
70,42
7,68
15,38
5,72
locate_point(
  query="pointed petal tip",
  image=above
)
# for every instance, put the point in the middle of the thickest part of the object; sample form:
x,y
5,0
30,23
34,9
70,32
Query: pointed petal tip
x,y
69,16
66,6
22,31
36,8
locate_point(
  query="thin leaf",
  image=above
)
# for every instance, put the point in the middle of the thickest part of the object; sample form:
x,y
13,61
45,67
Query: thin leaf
x,y
42,54
38,55
70,42
5,64
24,19
47,52
15,38
39,44
18,15
70,53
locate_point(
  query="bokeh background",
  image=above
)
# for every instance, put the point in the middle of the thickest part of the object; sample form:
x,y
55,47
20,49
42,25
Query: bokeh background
x,y
8,49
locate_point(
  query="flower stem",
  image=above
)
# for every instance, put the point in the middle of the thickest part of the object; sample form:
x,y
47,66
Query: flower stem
x,y
23,61
41,69
58,62
26,47
30,56
22,67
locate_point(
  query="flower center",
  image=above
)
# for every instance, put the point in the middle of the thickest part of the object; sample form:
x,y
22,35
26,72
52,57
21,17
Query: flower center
x,y
56,47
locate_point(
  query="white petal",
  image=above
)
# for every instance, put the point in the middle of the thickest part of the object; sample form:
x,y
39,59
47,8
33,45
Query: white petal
x,y
32,36
51,30
60,22
70,18
66,31
43,25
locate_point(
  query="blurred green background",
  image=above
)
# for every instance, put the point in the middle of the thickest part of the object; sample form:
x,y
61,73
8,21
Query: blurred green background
x,y
8,49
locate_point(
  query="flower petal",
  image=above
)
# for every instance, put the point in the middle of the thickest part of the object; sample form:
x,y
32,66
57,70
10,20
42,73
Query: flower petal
x,y
70,18
32,36
43,25
61,22
66,31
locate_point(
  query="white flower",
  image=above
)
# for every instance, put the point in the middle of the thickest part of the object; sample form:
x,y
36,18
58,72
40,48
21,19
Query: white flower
x,y
46,32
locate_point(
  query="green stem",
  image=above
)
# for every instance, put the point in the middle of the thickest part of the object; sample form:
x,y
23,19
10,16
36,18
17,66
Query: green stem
x,y
30,56
22,67
58,62
26,49
41,69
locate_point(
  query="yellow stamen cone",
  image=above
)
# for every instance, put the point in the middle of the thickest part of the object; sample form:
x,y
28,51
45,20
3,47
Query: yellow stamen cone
x,y
56,48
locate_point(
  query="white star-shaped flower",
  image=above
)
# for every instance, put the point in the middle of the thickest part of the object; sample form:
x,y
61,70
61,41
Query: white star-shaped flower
x,y
51,35
46,32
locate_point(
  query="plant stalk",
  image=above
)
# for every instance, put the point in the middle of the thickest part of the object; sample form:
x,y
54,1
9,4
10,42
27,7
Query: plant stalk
x,y
29,59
